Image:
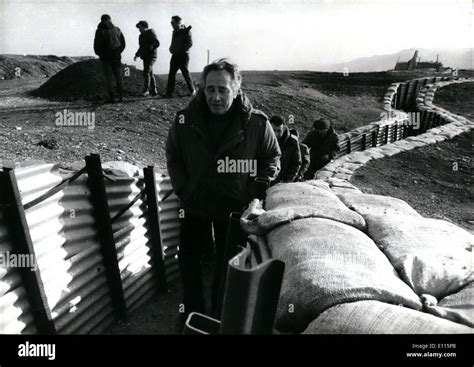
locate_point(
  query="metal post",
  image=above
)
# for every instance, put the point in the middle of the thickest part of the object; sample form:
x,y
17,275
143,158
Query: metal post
x,y
154,222
106,237
235,237
10,201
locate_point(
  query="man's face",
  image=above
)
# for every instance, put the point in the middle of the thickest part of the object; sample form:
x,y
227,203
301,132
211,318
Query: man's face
x,y
219,91
141,29
278,130
175,24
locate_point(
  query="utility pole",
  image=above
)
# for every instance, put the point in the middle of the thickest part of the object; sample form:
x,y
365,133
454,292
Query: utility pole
x,y
208,52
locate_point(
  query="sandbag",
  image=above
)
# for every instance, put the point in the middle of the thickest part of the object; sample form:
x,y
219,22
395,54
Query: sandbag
x,y
457,307
376,204
311,198
261,224
327,263
373,317
433,256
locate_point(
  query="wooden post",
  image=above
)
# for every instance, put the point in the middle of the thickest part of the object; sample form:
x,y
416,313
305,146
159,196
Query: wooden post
x,y
10,201
100,204
154,223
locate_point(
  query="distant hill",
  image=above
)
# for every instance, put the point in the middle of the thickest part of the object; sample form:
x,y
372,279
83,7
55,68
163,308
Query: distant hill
x,y
457,58
34,66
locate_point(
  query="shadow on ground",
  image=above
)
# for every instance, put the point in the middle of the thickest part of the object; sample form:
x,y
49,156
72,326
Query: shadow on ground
x,y
160,314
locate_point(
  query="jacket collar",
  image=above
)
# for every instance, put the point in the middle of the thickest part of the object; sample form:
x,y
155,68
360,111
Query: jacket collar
x,y
106,25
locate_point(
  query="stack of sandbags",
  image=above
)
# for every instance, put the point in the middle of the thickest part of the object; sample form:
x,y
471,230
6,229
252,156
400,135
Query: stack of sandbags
x,y
433,256
374,317
328,263
285,203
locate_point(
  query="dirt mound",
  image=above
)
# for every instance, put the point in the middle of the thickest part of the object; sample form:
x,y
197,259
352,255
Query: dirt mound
x,y
85,80
33,66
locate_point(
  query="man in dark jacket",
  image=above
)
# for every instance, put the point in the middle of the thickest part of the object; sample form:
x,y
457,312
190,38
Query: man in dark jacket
x,y
147,51
109,44
181,42
216,148
290,151
305,157
323,143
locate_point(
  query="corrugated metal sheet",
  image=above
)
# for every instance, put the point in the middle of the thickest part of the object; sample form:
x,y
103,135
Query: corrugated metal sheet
x,y
169,226
69,256
132,241
15,315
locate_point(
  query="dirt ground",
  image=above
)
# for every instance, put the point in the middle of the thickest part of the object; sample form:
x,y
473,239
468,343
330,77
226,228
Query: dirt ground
x,y
457,98
160,314
435,180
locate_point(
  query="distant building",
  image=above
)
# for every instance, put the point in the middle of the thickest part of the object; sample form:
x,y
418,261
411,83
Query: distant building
x,y
416,64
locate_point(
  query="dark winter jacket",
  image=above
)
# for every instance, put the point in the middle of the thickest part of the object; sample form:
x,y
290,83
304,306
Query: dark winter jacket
x,y
322,145
149,43
181,41
109,42
290,157
193,163
305,157
305,161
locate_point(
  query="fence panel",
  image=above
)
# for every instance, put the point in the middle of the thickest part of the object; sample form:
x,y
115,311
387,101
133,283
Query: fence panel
x,y
64,235
168,206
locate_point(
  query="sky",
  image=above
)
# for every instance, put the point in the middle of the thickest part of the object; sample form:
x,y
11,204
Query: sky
x,y
257,35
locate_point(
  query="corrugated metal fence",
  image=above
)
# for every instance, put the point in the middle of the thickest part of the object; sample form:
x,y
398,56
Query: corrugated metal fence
x,y
100,243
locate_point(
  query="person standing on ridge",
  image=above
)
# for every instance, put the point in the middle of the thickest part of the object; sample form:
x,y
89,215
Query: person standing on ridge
x,y
149,43
109,44
181,42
